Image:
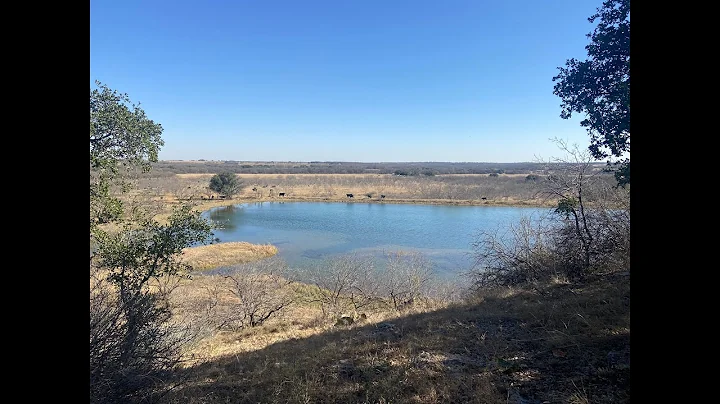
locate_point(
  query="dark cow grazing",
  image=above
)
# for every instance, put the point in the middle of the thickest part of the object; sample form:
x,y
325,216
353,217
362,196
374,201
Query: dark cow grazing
x,y
382,196
349,195
483,198
282,194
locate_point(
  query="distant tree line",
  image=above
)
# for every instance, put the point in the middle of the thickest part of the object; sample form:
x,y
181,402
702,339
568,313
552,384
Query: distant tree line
x,y
396,168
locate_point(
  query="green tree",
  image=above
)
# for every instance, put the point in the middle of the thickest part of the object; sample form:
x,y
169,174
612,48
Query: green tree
x,y
599,87
133,341
121,136
225,183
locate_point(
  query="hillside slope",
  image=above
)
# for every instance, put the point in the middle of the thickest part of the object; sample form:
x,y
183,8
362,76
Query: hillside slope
x,y
560,343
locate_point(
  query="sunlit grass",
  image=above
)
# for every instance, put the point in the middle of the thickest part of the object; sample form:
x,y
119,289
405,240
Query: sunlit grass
x,y
225,254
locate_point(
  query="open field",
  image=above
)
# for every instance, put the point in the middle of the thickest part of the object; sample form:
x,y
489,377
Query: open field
x,y
419,168
518,184
456,189
344,167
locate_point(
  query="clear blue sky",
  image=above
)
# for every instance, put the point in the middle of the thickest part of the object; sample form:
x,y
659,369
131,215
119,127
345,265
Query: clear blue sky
x,y
354,80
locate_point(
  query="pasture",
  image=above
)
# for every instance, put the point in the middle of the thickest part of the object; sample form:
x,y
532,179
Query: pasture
x,y
456,189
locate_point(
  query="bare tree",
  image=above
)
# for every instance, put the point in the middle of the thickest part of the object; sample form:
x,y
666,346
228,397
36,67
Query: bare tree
x,y
445,291
588,232
260,290
584,192
520,254
405,278
342,283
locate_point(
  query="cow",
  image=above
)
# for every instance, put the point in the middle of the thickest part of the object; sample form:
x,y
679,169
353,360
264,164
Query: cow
x,y
382,196
349,195
282,194
483,198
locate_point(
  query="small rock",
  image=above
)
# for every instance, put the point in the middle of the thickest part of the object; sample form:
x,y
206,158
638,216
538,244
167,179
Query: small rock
x,y
344,320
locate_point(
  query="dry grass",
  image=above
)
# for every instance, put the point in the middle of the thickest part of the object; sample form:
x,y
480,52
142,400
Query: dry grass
x,y
225,254
560,343
505,190
281,176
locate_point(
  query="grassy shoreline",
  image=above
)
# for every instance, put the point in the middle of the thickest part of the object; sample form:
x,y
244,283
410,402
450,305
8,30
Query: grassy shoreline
x,y
224,254
508,202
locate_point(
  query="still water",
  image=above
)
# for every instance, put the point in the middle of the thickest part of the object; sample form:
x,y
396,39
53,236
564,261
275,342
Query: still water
x,y
306,233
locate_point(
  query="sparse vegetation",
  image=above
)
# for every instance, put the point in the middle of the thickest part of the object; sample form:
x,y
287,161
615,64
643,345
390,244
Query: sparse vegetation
x,y
343,285
589,234
462,189
549,343
167,168
405,278
258,291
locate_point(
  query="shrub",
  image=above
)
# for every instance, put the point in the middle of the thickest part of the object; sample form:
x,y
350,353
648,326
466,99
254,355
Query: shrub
x,y
225,183
343,283
405,278
258,291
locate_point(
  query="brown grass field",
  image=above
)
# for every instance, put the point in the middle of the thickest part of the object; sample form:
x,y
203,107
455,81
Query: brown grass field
x,y
455,189
559,344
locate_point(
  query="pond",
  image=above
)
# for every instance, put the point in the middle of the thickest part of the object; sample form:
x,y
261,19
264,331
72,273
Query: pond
x,y
306,233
